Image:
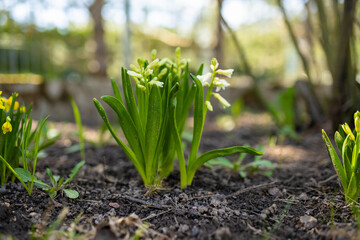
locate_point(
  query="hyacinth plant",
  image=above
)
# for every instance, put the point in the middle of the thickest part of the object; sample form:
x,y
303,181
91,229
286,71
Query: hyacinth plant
x,y
348,144
19,144
153,118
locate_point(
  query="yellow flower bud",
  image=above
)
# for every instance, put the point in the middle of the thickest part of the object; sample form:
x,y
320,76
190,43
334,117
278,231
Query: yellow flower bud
x,y
22,109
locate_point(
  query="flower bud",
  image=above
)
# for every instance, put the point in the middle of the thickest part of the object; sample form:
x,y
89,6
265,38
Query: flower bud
x,y
153,54
357,124
214,64
134,68
178,53
148,72
155,81
222,100
209,106
141,87
141,62
163,73
153,64
348,131
357,121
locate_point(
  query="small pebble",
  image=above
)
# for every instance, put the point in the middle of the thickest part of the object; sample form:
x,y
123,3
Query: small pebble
x,y
184,228
308,221
275,192
215,202
195,231
114,205
303,196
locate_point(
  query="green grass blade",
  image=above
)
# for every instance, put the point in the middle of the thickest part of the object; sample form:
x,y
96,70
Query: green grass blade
x,y
178,148
198,119
79,127
116,90
36,150
335,160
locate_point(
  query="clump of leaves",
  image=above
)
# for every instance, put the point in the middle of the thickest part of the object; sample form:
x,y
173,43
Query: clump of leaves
x,y
259,165
347,169
153,118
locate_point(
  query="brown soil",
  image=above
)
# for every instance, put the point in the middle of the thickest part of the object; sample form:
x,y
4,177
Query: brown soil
x,y
302,199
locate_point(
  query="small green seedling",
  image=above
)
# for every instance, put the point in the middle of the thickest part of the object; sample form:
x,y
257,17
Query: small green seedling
x,y
348,144
263,166
283,113
58,184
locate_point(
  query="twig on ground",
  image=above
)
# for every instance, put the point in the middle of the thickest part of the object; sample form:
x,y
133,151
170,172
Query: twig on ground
x,y
155,215
327,180
250,188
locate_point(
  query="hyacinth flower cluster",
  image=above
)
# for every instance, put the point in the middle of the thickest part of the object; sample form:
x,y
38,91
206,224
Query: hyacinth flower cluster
x,y
152,116
348,144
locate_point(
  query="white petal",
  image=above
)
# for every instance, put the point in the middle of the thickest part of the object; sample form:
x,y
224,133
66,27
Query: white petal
x,y
157,83
221,84
225,72
153,64
205,79
222,100
134,74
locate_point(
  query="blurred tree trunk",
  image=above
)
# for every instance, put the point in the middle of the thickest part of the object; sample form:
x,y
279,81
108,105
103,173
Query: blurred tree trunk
x,y
344,102
335,23
219,52
100,52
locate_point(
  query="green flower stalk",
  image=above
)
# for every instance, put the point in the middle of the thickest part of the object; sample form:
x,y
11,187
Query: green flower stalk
x,y
348,144
153,116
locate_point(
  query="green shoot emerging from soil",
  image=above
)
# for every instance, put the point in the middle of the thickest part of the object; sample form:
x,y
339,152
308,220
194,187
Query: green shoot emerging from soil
x,y
259,165
153,118
348,144
58,184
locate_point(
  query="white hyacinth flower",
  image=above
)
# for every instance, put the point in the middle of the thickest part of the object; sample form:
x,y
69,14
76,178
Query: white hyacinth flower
x,y
148,72
134,74
222,100
205,79
156,82
220,84
225,72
